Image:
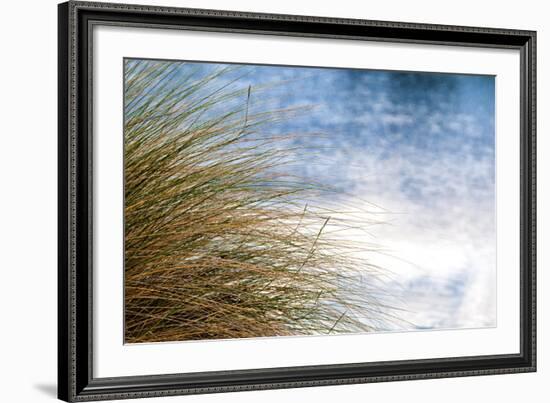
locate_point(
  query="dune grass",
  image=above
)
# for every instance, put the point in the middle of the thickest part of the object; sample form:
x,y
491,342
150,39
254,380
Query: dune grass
x,y
219,242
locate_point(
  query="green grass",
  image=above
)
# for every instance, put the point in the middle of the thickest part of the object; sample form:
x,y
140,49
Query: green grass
x,y
219,242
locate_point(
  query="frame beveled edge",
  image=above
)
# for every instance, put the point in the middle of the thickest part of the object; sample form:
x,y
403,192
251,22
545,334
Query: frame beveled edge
x,y
75,380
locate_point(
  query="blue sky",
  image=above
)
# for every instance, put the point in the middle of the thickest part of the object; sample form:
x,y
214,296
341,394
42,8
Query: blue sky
x,y
414,115
421,146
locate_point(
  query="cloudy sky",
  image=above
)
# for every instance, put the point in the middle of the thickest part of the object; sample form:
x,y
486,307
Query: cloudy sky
x,y
418,148
421,147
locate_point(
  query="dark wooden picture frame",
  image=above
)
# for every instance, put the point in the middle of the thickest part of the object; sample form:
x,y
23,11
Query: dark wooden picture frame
x,y
75,335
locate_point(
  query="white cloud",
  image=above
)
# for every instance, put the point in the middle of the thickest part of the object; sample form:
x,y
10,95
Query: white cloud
x,y
440,248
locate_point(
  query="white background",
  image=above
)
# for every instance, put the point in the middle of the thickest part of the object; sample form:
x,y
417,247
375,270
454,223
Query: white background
x,y
28,202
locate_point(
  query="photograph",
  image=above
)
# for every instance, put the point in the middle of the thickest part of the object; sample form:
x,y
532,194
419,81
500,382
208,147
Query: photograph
x,y
251,200
274,200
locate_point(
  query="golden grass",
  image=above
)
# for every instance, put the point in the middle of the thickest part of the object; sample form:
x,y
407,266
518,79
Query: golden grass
x,y
218,240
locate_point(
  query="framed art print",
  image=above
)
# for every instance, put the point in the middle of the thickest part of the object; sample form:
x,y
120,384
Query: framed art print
x,y
252,201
